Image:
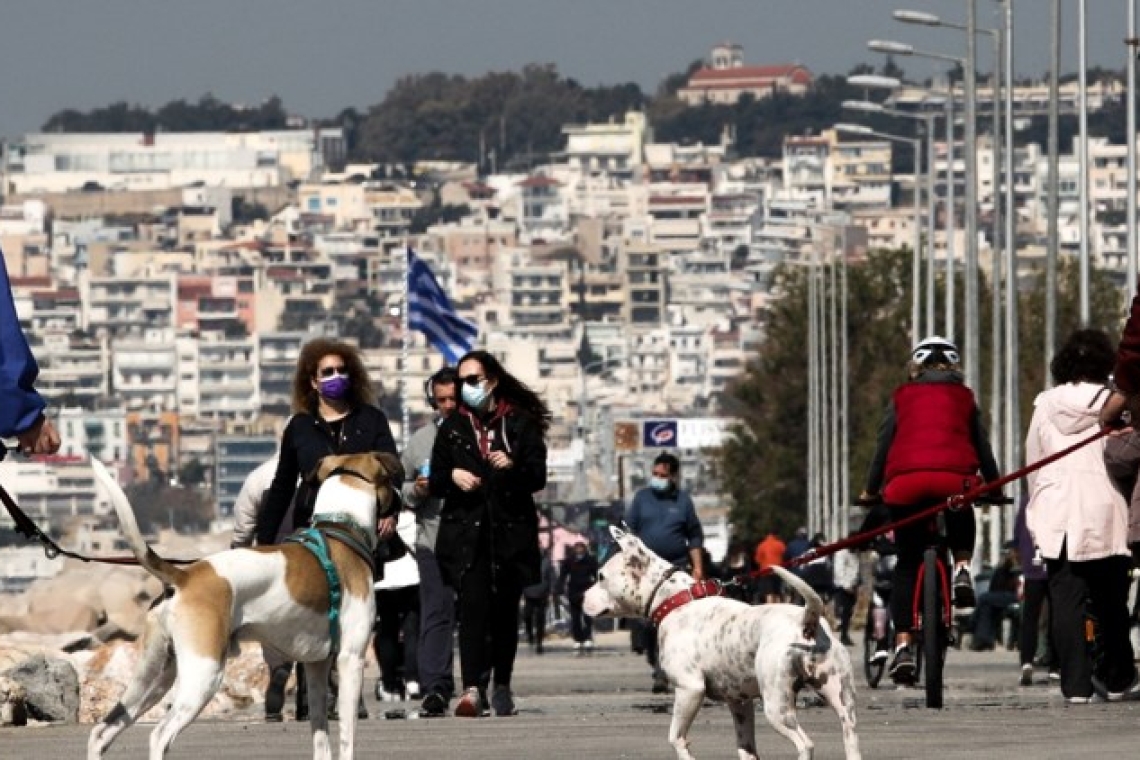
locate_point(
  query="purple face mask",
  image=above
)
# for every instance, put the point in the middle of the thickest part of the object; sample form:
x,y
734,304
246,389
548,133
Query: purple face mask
x,y
335,388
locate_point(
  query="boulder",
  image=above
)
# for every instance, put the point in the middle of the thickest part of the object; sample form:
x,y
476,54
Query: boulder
x,y
52,687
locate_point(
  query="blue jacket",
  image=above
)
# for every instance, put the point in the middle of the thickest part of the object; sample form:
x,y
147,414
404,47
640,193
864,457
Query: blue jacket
x,y
21,405
666,522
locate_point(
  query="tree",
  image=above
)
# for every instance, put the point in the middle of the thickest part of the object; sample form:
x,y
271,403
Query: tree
x,y
764,461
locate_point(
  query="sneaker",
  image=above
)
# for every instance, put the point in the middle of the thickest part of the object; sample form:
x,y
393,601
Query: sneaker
x,y
472,704
1089,700
1054,675
502,702
589,645
433,706
1026,675
386,695
412,690
964,589
880,655
361,710
902,670
660,682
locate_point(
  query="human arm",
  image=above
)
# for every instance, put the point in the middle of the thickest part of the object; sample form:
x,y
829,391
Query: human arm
x,y
877,468
1126,374
986,460
248,504
22,410
526,459
695,533
281,490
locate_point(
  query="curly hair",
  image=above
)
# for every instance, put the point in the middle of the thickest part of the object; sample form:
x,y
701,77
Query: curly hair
x,y
305,397
511,389
1087,356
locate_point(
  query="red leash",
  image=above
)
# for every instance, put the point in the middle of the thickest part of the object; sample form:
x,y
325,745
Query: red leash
x,y
957,501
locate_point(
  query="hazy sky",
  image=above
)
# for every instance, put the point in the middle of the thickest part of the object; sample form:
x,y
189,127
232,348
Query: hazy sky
x,y
323,55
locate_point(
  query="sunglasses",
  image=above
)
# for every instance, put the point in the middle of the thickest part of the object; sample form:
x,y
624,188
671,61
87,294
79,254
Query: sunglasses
x,y
472,379
332,371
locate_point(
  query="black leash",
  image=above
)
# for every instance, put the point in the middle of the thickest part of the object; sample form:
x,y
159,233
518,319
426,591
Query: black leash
x,y
52,550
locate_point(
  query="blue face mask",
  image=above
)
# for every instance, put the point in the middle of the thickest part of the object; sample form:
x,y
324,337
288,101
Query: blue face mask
x,y
660,484
475,396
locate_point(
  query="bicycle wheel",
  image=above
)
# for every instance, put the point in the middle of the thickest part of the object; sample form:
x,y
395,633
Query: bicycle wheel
x,y
871,669
933,629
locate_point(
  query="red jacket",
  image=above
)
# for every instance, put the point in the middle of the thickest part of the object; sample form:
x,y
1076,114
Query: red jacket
x,y
933,430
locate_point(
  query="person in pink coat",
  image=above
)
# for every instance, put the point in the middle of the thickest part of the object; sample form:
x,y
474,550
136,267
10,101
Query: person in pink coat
x,y
1079,522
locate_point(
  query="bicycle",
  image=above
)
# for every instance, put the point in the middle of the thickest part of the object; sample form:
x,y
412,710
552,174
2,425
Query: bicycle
x,y
934,628
879,629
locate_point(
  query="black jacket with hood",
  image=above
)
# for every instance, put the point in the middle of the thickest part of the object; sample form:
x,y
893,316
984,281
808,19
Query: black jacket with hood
x,y
499,516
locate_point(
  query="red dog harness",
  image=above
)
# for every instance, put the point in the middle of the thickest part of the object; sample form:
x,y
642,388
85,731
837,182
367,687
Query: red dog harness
x,y
699,590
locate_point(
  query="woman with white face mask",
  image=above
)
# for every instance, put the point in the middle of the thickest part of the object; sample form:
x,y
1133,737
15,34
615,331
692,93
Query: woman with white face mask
x,y
488,461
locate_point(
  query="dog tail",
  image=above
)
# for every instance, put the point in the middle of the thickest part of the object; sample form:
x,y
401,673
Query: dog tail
x,y
813,605
154,564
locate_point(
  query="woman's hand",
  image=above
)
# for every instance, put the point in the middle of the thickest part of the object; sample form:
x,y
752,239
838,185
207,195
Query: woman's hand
x,y
1112,412
467,481
499,460
386,527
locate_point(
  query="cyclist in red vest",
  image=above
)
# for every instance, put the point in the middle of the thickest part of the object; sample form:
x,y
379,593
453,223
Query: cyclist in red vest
x,y
931,446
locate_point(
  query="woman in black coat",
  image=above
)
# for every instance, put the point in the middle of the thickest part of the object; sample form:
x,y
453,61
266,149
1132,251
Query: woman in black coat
x,y
488,461
333,413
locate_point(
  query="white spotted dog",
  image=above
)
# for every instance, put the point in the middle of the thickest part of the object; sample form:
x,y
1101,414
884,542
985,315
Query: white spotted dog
x,y
276,595
716,647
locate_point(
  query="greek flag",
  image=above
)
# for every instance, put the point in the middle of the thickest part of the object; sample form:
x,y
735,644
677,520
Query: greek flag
x,y
430,311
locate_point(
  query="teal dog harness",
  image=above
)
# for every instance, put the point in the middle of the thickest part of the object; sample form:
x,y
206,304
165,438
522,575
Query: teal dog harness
x,y
314,540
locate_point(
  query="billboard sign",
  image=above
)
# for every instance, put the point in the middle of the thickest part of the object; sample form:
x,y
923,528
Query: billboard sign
x,y
659,434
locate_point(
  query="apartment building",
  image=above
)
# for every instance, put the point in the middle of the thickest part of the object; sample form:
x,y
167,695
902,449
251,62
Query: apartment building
x,y
237,457
63,162
228,382
100,433
615,149
54,491
643,268
535,295
543,211
126,306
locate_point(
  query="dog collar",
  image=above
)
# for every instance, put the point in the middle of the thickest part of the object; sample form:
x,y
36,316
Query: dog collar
x,y
699,590
657,587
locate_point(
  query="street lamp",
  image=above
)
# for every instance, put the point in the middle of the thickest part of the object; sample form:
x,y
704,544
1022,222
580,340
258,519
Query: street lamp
x,y
927,118
874,81
864,131
967,63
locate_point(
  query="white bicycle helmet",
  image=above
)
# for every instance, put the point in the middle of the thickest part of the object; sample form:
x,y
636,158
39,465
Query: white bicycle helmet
x,y
935,350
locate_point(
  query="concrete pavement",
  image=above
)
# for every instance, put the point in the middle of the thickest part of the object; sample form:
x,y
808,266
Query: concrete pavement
x,y
599,706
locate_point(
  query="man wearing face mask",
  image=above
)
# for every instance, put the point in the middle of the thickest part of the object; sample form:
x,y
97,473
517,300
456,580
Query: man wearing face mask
x,y
437,599
664,517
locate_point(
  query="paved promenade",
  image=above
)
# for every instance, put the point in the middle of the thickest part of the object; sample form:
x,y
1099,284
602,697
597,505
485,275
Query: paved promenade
x,y
573,708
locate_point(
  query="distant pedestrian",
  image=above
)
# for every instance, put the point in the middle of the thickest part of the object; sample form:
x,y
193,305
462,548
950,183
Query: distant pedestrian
x,y
579,572
396,638
770,552
664,517
1034,602
536,603
737,571
845,581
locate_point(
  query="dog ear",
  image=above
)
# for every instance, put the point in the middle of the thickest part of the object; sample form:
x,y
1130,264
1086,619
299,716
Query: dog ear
x,y
626,541
617,532
324,467
389,465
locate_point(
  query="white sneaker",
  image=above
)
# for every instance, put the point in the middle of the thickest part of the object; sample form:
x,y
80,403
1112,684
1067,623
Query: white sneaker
x,y
589,644
412,689
1026,675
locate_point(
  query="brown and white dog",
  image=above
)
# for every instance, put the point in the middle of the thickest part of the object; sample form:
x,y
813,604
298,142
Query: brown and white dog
x,y
276,595
723,649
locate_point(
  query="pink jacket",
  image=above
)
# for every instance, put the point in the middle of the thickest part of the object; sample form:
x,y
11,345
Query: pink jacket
x,y
1072,502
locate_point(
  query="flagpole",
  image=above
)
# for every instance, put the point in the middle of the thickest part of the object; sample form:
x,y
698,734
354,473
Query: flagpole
x,y
405,333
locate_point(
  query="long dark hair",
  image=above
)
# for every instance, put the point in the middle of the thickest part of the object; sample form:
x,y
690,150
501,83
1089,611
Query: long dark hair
x,y
510,388
1087,356
360,389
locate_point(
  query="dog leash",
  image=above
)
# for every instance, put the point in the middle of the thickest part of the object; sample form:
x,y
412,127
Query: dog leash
x,y
955,502
28,528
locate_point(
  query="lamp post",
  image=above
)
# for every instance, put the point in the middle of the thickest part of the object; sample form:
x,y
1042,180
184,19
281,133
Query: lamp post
x,y
927,118
874,81
1131,44
899,48
1083,153
916,146
1051,188
581,487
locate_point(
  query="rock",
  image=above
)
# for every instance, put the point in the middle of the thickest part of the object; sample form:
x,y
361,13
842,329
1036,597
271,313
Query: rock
x,y
52,687
13,703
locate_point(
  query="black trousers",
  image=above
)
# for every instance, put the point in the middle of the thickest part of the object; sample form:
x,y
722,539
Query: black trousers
x,y
436,649
911,542
1033,604
1098,588
534,620
488,624
844,609
581,624
396,641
